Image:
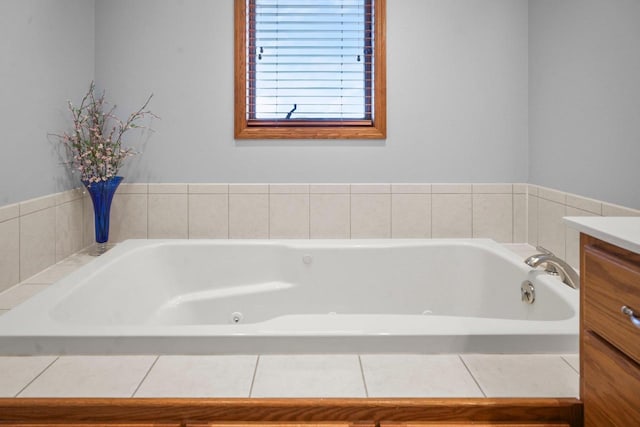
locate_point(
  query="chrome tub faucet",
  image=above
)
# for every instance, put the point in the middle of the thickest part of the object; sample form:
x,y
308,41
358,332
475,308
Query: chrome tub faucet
x,y
555,266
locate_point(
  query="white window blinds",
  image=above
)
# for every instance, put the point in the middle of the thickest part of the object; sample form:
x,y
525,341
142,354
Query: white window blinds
x,y
310,61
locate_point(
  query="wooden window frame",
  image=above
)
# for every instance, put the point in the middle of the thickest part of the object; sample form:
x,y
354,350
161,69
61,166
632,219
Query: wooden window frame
x,y
267,129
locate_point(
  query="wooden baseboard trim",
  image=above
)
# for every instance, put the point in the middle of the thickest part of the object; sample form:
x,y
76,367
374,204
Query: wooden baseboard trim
x,y
183,411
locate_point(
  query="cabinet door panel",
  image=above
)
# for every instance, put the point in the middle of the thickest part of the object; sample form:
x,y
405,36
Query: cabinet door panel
x,y
610,283
611,385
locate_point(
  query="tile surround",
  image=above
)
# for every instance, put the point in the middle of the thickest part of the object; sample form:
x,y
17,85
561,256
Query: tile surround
x,y
417,375
91,376
451,215
410,215
370,214
42,231
523,375
308,376
199,376
493,216
9,253
17,372
330,216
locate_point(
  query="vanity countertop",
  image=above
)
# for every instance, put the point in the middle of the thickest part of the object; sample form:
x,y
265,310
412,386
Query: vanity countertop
x,y
620,231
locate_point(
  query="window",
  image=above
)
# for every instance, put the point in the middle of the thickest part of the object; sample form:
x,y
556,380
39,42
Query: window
x,y
310,69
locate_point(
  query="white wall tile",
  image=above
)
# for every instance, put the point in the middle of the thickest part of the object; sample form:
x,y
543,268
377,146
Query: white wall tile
x,y
572,239
289,216
451,216
552,195
370,216
208,188
37,204
289,188
532,220
208,216
411,188
551,227
248,188
329,188
330,216
88,230
37,241
520,218
168,188
248,216
133,188
9,212
609,209
9,253
411,215
498,188
520,188
69,228
370,188
585,204
128,217
168,218
69,195
493,217
451,188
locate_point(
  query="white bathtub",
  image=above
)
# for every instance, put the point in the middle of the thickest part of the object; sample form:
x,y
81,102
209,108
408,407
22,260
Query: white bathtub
x,y
297,296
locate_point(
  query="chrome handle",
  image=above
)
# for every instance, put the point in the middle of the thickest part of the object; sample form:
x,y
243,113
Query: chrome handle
x,y
632,316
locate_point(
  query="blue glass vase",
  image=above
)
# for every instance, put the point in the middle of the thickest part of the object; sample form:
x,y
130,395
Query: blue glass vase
x,y
101,195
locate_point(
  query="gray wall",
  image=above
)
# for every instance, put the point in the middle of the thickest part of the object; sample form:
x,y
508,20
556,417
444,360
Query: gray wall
x,y
584,97
457,96
46,57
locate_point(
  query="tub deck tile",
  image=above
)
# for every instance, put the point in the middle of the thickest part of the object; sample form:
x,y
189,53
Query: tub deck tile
x,y
308,376
573,360
199,376
417,375
91,376
523,375
17,372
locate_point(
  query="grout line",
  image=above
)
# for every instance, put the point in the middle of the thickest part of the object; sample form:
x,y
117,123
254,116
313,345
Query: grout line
x,y
309,211
472,376
364,380
513,217
350,214
472,212
570,365
37,376
253,378
145,376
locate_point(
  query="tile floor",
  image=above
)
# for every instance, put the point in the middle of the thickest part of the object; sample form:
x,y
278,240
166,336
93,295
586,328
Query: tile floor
x,y
340,375
344,375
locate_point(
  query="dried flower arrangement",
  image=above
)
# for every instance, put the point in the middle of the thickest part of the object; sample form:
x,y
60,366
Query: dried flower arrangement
x,y
95,145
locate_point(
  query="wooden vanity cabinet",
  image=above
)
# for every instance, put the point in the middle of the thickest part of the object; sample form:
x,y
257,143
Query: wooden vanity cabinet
x,y
609,340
